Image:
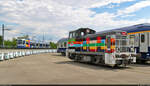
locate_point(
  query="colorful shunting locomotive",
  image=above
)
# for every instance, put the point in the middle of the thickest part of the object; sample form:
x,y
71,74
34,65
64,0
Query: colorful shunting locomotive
x,y
109,47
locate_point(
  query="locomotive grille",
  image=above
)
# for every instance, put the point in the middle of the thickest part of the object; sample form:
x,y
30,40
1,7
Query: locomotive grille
x,y
121,44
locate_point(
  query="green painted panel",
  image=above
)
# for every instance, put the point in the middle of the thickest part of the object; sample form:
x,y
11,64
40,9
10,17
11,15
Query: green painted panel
x,y
70,40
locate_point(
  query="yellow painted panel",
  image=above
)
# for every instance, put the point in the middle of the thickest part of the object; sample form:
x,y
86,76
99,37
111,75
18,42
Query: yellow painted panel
x,y
84,48
26,45
103,47
137,32
93,47
93,41
112,47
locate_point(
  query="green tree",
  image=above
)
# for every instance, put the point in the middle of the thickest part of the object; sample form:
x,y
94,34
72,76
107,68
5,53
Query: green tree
x,y
10,44
53,45
14,42
23,37
7,43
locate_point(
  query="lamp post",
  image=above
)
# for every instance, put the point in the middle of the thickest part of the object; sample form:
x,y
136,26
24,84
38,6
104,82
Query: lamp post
x,y
3,33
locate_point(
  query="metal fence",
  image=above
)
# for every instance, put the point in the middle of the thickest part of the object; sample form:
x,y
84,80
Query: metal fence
x,y
10,54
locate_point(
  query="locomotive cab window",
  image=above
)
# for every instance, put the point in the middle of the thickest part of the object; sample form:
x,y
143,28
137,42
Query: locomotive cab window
x,y
82,33
142,38
70,35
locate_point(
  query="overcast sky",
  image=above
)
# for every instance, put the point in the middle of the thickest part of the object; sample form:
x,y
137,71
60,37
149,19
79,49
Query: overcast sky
x,y
55,18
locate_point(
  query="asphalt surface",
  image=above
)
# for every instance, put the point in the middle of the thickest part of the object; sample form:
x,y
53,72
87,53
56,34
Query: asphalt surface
x,y
52,68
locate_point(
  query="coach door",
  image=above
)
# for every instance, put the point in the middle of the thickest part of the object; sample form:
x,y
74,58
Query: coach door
x,y
144,42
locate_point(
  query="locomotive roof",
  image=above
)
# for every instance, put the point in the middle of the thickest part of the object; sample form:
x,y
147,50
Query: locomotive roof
x,y
82,29
136,28
62,40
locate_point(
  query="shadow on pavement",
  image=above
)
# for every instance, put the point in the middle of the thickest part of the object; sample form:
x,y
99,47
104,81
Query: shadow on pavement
x,y
141,65
92,66
57,54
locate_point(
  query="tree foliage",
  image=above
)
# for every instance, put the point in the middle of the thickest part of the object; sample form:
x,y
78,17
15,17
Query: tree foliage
x,y
53,45
23,37
11,43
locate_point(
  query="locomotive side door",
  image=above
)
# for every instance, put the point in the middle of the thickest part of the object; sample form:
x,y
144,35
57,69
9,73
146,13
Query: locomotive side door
x,y
132,39
144,42
109,59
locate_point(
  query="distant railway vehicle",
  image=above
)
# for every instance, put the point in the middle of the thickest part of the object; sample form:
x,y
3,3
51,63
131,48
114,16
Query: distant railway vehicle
x,y
62,46
27,43
139,36
108,47
23,43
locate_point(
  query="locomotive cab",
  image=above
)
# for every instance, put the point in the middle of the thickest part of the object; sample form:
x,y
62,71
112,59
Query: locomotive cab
x,y
81,32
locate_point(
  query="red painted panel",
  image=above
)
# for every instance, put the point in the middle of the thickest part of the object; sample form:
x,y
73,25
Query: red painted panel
x,y
87,40
98,39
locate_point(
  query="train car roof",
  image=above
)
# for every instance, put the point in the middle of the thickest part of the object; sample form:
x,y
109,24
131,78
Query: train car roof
x,y
102,33
128,29
136,28
62,40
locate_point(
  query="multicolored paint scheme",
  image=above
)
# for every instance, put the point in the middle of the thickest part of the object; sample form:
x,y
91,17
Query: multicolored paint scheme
x,y
99,45
27,43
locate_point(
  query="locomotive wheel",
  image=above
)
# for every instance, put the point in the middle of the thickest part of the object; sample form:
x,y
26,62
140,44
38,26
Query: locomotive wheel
x,y
95,60
78,58
71,56
143,61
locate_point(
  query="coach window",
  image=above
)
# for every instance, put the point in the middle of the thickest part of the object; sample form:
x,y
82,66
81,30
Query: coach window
x,y
65,44
61,45
142,38
23,41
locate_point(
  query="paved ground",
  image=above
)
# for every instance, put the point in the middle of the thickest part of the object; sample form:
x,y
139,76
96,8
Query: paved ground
x,y
56,69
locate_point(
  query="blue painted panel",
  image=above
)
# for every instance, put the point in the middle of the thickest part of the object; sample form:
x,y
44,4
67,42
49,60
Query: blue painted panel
x,y
103,41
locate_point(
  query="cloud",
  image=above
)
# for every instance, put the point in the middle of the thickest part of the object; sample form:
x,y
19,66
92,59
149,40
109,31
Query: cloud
x,y
56,18
106,2
135,7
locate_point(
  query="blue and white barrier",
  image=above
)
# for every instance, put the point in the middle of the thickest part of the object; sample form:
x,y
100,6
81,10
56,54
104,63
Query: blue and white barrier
x,y
1,56
15,54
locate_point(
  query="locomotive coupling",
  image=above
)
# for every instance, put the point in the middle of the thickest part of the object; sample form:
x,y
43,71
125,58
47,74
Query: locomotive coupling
x,y
121,56
124,55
